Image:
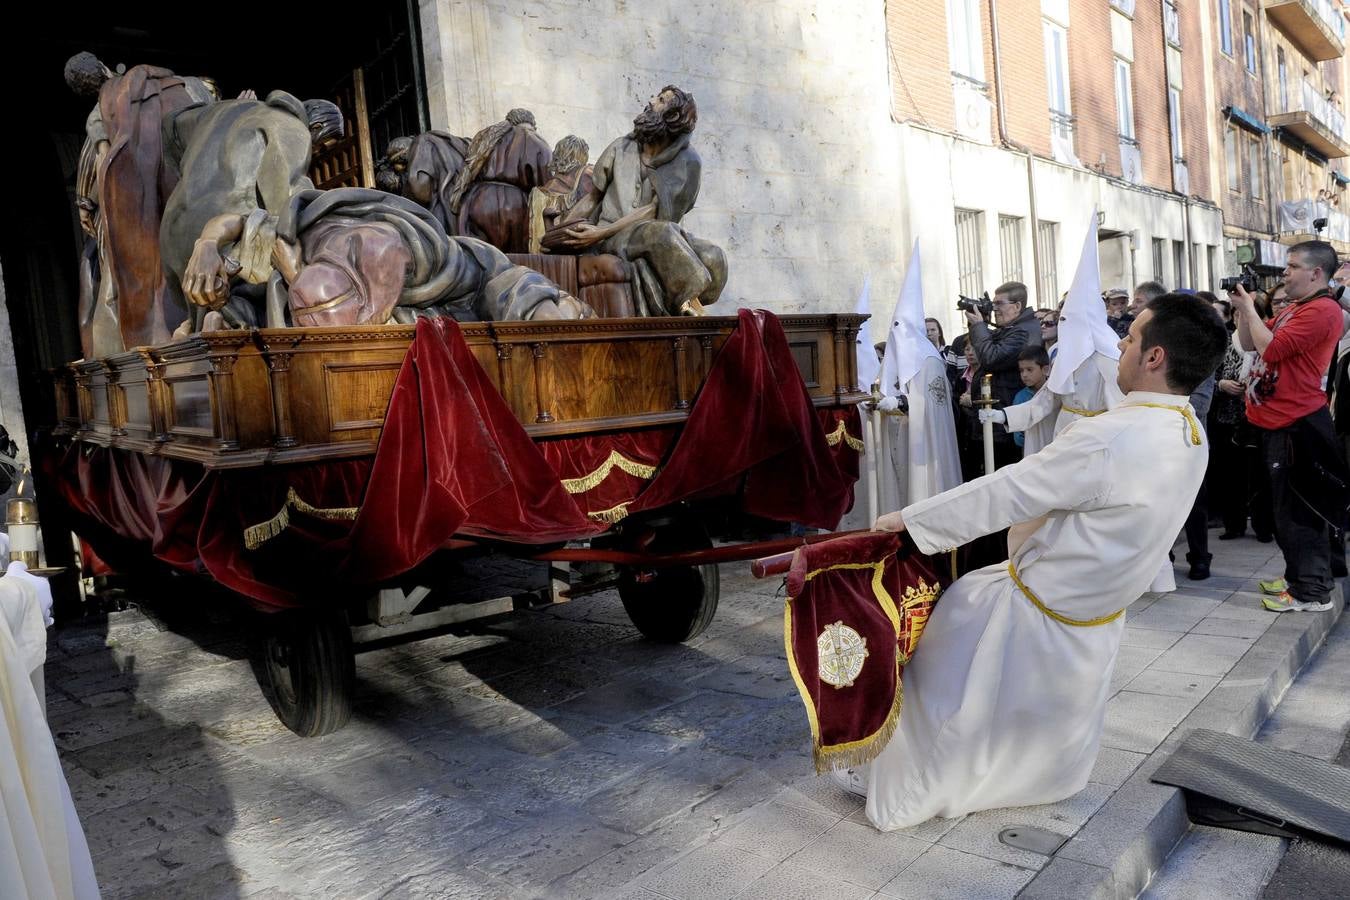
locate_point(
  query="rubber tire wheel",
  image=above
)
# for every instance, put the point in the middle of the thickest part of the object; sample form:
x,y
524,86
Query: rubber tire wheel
x,y
310,669
678,603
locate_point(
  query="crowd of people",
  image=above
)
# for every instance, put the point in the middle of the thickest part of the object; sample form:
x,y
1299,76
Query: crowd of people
x,y
1276,410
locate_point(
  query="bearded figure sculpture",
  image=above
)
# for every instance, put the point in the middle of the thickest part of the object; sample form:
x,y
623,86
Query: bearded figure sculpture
x,y
644,183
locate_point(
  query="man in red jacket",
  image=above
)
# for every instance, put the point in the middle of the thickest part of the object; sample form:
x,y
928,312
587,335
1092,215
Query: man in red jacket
x,y
1287,402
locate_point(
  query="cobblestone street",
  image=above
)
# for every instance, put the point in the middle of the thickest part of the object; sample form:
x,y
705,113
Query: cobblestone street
x,y
553,754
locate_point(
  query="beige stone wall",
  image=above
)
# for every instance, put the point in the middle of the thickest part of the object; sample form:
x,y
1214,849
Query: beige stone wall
x,y
800,157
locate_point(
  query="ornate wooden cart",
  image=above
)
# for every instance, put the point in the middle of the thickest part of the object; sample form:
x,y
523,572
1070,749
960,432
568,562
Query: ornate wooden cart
x,y
273,398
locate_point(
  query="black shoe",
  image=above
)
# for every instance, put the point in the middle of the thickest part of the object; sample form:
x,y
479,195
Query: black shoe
x,y
1265,538
1199,571
1231,535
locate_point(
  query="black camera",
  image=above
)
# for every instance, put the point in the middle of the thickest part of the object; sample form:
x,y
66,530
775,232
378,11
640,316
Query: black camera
x,y
1247,279
983,305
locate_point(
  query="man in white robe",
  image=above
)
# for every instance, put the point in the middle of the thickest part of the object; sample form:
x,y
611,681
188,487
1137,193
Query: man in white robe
x,y
924,459
1005,699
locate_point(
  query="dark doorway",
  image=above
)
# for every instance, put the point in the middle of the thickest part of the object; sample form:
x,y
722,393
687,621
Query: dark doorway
x,y
308,49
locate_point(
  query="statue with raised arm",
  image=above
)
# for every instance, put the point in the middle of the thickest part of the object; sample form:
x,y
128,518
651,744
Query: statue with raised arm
x,y
121,186
237,157
644,184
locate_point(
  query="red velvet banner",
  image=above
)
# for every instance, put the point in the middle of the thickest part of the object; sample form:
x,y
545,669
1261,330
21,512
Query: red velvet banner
x,y
454,461
856,609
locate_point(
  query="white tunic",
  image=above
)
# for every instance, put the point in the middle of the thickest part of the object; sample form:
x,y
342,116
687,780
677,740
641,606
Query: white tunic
x,y
1004,704
924,459
1047,414
43,853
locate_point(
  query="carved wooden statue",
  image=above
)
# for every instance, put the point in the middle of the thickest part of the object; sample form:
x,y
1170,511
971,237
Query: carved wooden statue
x,y
426,167
356,256
569,180
121,186
236,157
490,198
644,184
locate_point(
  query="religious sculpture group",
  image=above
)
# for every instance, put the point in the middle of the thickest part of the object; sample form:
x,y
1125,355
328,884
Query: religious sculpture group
x,y
200,215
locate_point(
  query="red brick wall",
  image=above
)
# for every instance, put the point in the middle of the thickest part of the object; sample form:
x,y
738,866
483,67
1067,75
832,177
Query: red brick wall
x,y
1234,86
1195,110
1026,95
921,86
1092,81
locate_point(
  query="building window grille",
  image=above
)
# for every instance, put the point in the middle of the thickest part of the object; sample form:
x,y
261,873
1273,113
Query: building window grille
x,y
1178,265
1010,247
1048,288
1159,250
969,252
1212,253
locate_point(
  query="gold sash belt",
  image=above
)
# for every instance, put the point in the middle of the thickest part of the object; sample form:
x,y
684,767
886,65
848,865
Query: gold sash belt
x,y
1077,623
1081,412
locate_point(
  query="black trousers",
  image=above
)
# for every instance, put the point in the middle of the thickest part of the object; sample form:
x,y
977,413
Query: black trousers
x,y
1304,537
1197,530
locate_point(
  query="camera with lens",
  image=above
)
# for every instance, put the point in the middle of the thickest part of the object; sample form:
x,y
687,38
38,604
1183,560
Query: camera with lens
x,y
1247,279
982,305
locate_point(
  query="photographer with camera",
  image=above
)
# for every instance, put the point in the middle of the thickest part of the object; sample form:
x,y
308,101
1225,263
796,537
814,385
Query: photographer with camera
x,y
997,351
1288,407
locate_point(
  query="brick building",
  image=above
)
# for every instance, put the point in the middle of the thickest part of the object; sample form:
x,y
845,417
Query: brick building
x,y
1192,126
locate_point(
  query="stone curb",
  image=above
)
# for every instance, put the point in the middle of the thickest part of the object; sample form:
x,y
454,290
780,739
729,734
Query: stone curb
x,y
1126,842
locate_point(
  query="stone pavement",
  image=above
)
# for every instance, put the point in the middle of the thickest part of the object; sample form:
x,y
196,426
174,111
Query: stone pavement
x,y
552,754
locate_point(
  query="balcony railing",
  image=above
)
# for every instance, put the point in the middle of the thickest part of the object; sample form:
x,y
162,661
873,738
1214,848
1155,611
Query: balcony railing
x,y
1297,218
1315,25
1316,122
1062,127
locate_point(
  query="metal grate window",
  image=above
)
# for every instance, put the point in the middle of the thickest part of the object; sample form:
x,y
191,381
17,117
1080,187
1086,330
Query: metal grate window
x,y
1178,265
1010,246
1159,253
1047,290
969,251
1212,253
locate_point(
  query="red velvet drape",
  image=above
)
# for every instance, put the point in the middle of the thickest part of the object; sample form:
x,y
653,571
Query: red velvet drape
x,y
453,460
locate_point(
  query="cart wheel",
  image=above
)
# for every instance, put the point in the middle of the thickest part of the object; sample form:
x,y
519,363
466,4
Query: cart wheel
x,y
672,604
311,672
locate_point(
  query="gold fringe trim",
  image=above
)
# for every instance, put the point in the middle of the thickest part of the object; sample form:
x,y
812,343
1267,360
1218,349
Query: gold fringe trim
x,y
840,433
612,515
858,753
615,460
257,535
852,753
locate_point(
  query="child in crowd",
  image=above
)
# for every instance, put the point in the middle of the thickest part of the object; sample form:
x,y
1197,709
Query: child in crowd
x,y
1033,364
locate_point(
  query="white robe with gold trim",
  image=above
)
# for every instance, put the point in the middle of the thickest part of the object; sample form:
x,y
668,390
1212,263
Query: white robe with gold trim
x,y
1003,704
923,456
1047,413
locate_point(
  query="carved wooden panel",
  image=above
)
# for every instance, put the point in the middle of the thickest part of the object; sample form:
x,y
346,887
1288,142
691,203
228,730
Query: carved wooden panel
x,y
240,398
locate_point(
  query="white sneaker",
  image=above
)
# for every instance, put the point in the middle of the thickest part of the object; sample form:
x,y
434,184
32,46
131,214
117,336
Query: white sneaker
x,y
852,780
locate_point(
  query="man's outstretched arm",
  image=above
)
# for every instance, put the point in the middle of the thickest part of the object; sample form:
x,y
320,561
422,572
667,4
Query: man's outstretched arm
x,y
1070,473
